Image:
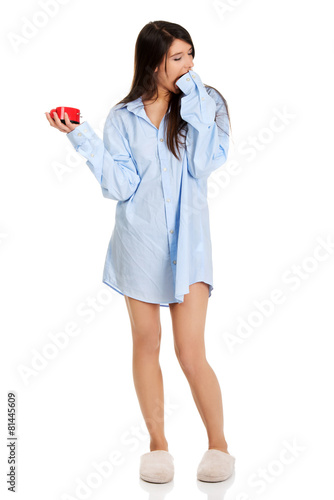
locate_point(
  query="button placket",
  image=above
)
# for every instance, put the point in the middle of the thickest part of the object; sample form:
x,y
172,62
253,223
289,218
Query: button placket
x,y
169,208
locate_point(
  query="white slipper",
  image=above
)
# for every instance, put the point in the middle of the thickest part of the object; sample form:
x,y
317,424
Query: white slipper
x,y
216,465
157,466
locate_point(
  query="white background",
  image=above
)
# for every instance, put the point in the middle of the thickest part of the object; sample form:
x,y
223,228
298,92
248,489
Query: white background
x,y
268,59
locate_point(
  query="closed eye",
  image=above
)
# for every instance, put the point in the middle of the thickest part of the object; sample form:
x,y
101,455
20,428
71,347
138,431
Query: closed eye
x,y
180,57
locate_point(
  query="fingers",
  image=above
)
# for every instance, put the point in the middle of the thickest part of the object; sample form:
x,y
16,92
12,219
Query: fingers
x,y
61,126
70,125
52,123
56,123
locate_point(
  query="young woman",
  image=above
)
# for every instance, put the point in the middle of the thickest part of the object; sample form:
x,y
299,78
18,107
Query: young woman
x,y
160,144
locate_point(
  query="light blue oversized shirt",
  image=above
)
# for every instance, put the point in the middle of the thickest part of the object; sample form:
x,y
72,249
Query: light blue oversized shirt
x,y
161,240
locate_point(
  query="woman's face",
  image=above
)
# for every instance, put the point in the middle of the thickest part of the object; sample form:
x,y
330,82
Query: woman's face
x,y
179,62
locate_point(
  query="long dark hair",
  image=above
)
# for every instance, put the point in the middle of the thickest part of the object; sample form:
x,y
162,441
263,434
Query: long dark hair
x,y
152,45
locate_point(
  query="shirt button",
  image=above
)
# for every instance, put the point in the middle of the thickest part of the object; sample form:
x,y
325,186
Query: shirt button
x,y
188,79
193,76
85,130
92,154
174,261
79,133
171,231
165,169
203,98
168,199
161,140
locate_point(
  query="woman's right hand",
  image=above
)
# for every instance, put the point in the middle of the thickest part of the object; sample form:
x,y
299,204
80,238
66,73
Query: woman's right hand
x,y
56,123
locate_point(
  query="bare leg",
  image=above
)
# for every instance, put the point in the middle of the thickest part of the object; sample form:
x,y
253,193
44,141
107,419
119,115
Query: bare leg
x,y
188,320
147,375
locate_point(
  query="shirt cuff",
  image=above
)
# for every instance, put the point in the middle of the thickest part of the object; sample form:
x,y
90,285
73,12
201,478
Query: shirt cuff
x,y
80,134
188,82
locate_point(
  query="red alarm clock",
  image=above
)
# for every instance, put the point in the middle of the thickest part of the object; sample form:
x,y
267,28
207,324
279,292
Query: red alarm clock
x,y
73,114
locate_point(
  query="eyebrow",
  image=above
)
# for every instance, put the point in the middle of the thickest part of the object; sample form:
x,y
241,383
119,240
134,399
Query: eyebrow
x,y
177,53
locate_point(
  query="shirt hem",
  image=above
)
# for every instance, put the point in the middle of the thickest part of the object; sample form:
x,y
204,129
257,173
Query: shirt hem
x,y
162,304
114,287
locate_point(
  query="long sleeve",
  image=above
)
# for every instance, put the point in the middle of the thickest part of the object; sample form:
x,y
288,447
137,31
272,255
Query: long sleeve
x,y
207,141
109,159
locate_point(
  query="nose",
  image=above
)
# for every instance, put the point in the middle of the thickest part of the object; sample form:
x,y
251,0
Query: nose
x,y
190,62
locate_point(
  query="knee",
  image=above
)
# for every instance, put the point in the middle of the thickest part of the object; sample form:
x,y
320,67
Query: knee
x,y
191,360
147,339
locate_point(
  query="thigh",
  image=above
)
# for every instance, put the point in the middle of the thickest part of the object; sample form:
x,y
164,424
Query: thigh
x,y
145,320
188,318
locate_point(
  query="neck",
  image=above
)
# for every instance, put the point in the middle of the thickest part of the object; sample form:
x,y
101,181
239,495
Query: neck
x,y
163,97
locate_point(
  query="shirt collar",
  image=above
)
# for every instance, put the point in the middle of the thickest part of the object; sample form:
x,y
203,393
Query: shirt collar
x,y
136,106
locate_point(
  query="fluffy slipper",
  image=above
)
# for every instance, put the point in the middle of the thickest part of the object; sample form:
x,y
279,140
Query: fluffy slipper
x,y
215,466
157,466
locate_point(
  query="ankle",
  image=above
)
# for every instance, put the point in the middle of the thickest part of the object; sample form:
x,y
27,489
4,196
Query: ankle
x,y
158,444
219,445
